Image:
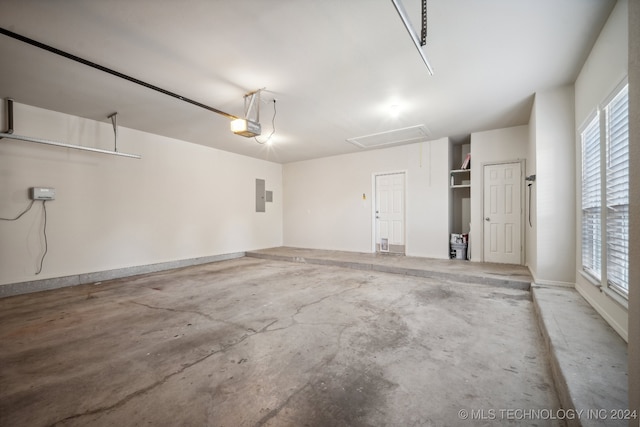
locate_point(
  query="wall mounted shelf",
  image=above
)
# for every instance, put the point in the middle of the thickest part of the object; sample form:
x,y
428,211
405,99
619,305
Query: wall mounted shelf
x,y
10,135
460,178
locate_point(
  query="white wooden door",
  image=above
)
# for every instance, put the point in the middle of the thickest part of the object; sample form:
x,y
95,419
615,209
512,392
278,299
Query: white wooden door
x,y
502,213
390,194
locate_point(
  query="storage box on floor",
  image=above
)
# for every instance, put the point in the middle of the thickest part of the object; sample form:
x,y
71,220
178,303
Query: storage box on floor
x,y
459,244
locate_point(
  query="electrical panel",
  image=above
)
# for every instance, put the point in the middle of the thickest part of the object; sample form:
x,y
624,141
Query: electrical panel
x,y
42,193
260,195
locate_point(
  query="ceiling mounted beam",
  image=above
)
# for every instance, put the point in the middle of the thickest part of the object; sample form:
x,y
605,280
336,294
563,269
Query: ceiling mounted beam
x,y
110,71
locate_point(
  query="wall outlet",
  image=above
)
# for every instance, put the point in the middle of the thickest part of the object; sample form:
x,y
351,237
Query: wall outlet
x,y
42,193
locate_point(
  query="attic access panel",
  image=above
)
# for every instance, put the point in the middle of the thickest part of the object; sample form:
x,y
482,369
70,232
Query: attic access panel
x,y
407,135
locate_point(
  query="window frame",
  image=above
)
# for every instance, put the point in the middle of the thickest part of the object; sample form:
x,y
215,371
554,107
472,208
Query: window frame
x,y
601,279
614,196
593,270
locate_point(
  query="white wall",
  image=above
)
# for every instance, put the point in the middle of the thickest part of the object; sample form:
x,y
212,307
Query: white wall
x,y
180,201
606,65
324,208
555,187
603,70
489,147
531,218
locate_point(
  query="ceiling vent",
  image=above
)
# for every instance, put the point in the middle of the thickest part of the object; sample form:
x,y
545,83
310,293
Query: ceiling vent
x,y
408,135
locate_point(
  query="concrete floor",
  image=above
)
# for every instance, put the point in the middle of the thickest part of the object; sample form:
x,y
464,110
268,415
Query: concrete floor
x,y
255,342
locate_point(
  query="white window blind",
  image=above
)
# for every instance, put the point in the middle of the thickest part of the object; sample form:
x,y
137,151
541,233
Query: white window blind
x,y
591,199
617,191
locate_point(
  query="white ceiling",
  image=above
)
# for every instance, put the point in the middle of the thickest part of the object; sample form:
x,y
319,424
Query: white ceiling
x,y
334,66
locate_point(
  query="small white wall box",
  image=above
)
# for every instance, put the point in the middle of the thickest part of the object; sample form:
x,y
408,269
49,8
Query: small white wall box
x,y
42,193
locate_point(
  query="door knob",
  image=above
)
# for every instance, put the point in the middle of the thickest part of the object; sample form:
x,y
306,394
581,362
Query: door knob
x,y
487,219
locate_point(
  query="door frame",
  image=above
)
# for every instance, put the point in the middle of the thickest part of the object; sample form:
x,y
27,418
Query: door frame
x,y
374,203
523,243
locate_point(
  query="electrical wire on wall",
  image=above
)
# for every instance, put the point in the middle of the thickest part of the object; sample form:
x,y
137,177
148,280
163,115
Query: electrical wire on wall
x,y
20,214
44,229
273,126
44,233
530,179
530,225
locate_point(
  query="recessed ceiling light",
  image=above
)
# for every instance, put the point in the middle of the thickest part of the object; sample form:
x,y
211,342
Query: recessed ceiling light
x,y
394,110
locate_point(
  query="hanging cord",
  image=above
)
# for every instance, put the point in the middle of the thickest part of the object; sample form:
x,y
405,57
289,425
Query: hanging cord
x,y
273,126
44,228
530,184
44,233
21,213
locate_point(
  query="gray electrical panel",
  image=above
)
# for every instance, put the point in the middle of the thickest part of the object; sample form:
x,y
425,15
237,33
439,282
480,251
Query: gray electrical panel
x,y
260,195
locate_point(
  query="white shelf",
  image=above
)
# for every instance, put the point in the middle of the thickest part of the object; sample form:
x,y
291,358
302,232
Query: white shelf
x,y
460,178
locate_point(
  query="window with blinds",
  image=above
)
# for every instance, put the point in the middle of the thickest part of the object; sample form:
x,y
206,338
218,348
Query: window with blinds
x,y
605,175
591,199
617,191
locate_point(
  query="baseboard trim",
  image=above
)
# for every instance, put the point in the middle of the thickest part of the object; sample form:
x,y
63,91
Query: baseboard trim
x,y
538,281
11,289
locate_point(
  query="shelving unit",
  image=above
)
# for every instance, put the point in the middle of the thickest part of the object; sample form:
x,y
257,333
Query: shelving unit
x,y
460,178
459,194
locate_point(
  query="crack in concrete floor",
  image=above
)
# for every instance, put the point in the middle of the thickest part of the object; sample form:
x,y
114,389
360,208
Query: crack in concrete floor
x,y
184,367
162,381
274,412
206,316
